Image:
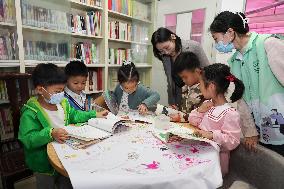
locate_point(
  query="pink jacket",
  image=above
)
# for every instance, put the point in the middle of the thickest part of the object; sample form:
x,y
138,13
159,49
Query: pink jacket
x,y
225,124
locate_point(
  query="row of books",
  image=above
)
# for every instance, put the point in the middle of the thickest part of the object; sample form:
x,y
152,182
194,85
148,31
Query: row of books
x,y
89,23
6,123
128,32
136,9
3,91
85,51
7,45
94,80
7,11
119,30
90,2
43,18
138,54
117,56
44,51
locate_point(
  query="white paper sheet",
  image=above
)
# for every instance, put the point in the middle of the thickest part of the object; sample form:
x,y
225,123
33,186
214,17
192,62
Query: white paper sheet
x,y
136,159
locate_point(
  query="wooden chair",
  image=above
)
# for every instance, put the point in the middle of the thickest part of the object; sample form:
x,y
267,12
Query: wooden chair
x,y
12,160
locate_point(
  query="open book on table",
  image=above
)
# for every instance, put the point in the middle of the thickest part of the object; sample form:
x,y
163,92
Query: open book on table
x,y
96,128
182,133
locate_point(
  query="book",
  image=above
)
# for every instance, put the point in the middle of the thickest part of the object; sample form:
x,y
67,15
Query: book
x,y
121,6
110,102
7,11
85,51
7,45
182,133
117,56
119,30
76,143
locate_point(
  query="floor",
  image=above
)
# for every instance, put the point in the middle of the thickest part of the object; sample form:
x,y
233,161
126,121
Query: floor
x,y
29,183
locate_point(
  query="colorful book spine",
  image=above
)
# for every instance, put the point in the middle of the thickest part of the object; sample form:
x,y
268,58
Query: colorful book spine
x,y
7,11
85,51
121,6
7,45
94,80
117,56
119,30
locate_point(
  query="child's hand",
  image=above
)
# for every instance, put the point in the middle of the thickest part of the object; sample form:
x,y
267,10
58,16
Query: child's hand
x,y
205,106
250,143
59,134
173,106
175,117
102,114
142,108
204,134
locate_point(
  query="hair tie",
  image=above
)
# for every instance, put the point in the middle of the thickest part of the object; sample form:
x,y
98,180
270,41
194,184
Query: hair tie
x,y
245,20
126,62
231,78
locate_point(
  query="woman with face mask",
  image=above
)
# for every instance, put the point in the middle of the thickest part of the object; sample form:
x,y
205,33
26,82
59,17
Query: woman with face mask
x,y
258,62
166,47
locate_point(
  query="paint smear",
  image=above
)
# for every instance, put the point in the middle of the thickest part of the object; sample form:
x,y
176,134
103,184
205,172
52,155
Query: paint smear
x,y
154,165
194,150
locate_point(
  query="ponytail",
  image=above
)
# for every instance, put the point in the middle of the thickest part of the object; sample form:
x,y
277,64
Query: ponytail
x,y
239,90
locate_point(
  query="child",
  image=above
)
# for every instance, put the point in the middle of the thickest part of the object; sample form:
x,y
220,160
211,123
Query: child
x,y
187,66
130,94
77,73
215,118
43,120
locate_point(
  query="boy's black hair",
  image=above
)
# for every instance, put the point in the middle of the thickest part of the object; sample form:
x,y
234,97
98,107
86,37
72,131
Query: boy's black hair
x,y
226,19
48,74
76,68
163,35
186,61
218,74
127,72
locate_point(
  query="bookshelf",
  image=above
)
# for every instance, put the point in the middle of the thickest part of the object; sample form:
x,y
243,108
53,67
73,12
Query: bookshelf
x,y
39,40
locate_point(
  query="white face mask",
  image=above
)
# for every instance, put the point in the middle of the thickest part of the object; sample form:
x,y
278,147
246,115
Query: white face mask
x,y
55,98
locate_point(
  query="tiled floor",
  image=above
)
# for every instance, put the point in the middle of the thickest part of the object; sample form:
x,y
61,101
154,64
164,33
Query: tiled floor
x,y
29,183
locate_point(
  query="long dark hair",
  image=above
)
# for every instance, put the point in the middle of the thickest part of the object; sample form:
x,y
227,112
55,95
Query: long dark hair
x,y
226,19
221,76
162,35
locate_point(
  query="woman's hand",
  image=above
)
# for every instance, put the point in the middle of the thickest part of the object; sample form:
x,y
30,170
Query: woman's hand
x,y
142,108
102,114
205,106
250,143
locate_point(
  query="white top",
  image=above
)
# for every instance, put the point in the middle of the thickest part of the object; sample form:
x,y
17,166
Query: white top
x,y
80,99
56,117
123,106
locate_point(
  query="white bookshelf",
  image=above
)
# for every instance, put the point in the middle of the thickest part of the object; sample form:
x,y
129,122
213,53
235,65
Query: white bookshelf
x,y
103,41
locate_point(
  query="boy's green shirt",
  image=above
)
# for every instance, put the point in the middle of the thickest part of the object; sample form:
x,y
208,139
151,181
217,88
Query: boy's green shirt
x,y
35,132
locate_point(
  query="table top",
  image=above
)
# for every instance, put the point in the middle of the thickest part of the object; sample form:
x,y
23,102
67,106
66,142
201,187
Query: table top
x,y
55,161
135,159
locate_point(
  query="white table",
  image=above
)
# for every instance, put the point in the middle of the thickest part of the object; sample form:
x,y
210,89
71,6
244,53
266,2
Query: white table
x,y
136,159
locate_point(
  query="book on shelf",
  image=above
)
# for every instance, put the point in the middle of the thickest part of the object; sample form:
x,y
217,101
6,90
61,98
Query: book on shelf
x,y
140,33
121,6
43,18
90,2
140,10
85,51
119,30
3,91
7,45
45,51
6,123
7,11
89,23
112,79
94,80
117,56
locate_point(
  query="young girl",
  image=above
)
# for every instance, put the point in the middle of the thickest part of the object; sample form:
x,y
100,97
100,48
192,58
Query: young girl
x,y
130,94
215,119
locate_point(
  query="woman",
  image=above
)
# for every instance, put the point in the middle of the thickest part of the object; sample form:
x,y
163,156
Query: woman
x,y
166,47
258,62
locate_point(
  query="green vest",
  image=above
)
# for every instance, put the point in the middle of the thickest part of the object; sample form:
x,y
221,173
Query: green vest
x,y
263,92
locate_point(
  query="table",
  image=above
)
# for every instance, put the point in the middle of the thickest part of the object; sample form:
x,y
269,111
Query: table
x,y
136,159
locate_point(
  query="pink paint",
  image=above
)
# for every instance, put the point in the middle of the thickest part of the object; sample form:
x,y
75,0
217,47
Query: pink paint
x,y
194,150
187,159
178,146
180,156
154,165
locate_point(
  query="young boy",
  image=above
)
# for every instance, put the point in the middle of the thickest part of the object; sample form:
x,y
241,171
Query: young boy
x,y
43,119
187,66
77,74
